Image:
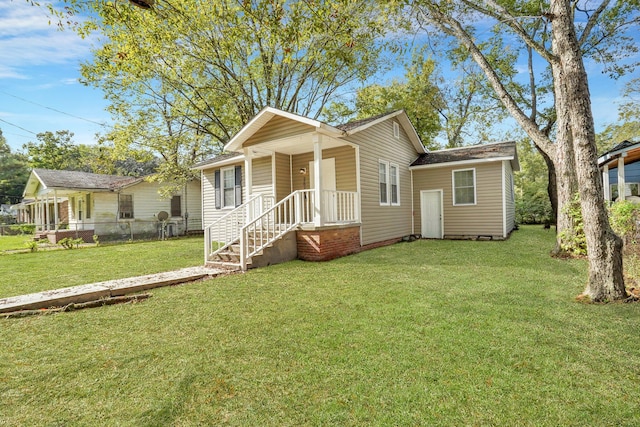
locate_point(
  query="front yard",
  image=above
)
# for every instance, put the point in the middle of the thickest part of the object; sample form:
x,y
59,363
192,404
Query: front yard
x,y
423,333
25,273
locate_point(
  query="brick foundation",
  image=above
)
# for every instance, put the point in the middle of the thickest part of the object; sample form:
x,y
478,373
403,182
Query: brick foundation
x,y
325,244
56,236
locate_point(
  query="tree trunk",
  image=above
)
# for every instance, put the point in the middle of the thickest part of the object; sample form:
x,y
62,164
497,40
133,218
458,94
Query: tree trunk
x,y
552,190
571,87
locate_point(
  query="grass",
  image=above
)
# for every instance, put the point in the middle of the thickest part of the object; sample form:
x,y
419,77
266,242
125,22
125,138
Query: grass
x,y
17,242
424,333
44,270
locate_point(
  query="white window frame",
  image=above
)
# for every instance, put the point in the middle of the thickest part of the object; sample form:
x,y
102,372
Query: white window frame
x,y
453,187
396,130
389,184
628,192
223,189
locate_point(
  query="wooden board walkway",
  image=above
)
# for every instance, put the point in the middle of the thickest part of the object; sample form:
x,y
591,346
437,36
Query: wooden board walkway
x,y
108,289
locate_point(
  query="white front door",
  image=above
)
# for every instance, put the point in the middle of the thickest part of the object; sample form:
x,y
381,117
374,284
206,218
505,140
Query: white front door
x,y
328,188
431,214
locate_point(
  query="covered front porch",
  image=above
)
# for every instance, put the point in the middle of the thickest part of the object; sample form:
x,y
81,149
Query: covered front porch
x,y
298,175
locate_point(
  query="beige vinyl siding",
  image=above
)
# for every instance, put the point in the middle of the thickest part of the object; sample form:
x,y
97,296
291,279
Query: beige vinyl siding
x,y
482,219
209,211
283,176
191,204
345,159
262,179
380,223
509,197
278,128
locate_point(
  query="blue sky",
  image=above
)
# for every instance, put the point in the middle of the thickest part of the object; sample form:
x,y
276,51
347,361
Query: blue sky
x,y
39,88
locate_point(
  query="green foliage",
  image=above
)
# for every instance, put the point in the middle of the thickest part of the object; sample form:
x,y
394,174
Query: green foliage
x,y
54,151
574,239
96,239
32,245
14,172
624,216
183,78
69,243
532,202
417,94
24,228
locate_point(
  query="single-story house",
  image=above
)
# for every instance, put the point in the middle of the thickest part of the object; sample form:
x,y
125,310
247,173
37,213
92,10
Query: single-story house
x,y
80,204
293,187
620,168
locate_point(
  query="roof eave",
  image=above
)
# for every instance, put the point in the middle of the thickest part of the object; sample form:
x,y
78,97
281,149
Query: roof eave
x,y
406,125
225,162
464,162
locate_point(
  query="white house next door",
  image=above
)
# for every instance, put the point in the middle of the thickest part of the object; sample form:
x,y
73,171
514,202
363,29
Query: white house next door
x,y
431,214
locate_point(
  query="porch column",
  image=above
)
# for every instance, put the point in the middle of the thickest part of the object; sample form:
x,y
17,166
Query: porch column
x,y
318,219
56,220
47,214
41,215
248,182
605,183
248,171
621,192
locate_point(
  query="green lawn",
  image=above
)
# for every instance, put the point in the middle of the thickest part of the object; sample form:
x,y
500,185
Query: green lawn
x,y
44,270
444,333
8,243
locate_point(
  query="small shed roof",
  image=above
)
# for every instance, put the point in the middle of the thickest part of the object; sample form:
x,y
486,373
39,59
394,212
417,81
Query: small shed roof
x,y
473,154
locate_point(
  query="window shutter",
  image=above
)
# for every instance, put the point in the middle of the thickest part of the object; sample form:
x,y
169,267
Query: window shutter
x,y
238,185
218,192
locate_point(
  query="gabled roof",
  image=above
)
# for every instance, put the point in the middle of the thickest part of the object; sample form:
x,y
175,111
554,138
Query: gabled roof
x,y
233,148
267,114
473,154
75,180
356,126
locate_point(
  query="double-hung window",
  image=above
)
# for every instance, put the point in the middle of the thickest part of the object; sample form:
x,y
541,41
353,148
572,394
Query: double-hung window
x,y
389,183
464,187
228,187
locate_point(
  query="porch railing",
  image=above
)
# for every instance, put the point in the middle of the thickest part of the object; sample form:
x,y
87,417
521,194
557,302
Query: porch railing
x,y
269,227
225,231
338,206
259,222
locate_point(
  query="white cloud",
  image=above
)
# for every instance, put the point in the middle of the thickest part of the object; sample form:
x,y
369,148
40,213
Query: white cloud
x,y
28,39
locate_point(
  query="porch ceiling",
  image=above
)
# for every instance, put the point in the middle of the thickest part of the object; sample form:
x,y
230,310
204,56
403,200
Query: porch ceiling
x,y
631,157
293,145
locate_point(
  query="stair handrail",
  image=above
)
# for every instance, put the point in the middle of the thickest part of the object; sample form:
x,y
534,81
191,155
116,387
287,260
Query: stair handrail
x,y
230,225
270,226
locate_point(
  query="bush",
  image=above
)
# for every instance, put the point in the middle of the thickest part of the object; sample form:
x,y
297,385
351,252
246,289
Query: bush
x,y
574,239
69,243
24,228
623,216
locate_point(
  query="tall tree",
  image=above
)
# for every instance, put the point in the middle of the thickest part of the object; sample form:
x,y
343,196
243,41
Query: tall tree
x,y
14,172
560,33
417,94
54,150
184,76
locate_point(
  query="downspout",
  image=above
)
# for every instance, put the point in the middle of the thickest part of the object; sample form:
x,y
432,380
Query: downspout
x,y
413,212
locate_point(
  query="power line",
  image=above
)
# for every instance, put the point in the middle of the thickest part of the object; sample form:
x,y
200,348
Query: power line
x,y
19,127
52,109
